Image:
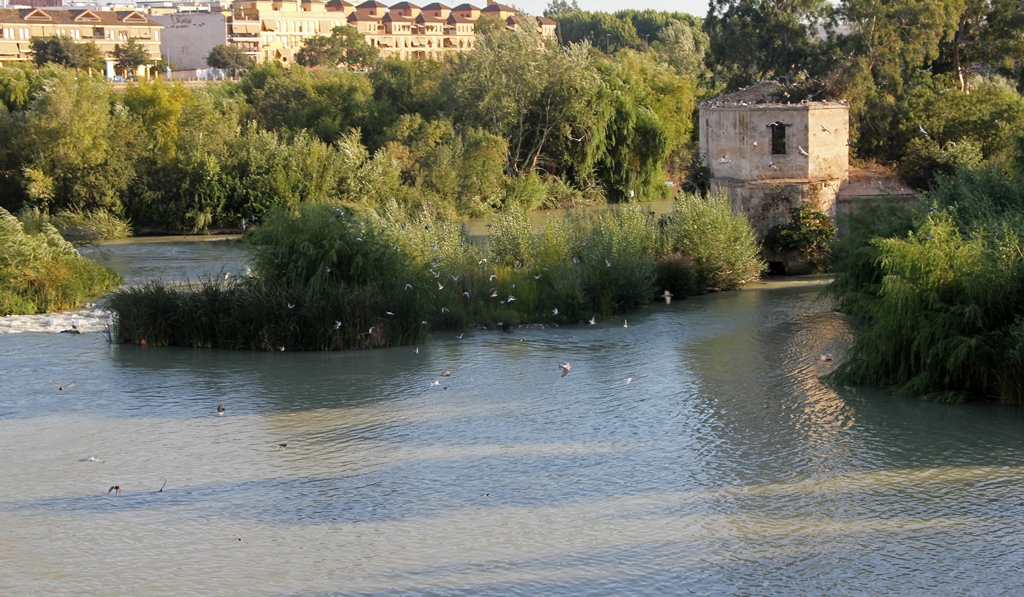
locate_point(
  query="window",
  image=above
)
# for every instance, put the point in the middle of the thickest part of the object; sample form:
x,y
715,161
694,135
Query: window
x,y
778,137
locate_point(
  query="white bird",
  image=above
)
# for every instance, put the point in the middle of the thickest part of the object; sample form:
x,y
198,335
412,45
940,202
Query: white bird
x,y
565,367
435,383
461,335
454,278
417,350
280,349
465,293
291,306
61,388
554,311
444,309
337,325
440,286
772,166
629,379
921,128
575,139
510,298
388,313
802,151
90,459
755,143
359,240
408,286
537,277
826,356
220,409
491,277
593,320
446,373
482,261
369,332
607,263
248,271
625,323
227,275
667,296
724,160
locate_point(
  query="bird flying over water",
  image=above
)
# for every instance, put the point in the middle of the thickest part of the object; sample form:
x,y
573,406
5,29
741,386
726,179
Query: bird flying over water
x,y
565,367
593,320
667,296
90,459
116,489
625,323
61,388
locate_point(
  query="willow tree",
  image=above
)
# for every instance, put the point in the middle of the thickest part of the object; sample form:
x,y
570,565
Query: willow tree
x,y
531,94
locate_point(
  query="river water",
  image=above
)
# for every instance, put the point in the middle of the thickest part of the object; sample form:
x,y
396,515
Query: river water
x,y
725,466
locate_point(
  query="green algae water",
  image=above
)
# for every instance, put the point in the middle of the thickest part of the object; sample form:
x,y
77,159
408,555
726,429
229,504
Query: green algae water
x,y
723,466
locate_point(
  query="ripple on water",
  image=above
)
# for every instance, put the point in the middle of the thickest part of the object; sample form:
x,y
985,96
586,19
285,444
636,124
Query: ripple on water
x,y
726,466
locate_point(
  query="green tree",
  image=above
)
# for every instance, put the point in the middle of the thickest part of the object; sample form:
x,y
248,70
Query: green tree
x,y
752,40
228,57
65,52
130,56
559,7
344,46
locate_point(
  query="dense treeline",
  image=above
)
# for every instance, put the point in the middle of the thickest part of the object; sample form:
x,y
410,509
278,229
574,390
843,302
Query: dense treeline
x,y
514,122
328,278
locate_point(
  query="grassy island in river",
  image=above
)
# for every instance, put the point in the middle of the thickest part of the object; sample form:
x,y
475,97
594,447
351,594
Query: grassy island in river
x,y
325,277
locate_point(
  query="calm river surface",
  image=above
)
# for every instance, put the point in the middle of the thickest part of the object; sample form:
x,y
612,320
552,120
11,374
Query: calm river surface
x,y
724,467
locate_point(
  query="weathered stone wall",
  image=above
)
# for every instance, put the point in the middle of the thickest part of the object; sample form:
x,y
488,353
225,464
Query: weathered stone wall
x,y
768,203
736,140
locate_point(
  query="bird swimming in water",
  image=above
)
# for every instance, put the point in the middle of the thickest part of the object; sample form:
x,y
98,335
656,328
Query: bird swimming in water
x,y
116,489
446,373
90,459
565,367
282,445
61,388
220,409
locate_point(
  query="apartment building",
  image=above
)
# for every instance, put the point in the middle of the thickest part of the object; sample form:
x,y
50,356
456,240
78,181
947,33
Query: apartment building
x,y
277,29
105,28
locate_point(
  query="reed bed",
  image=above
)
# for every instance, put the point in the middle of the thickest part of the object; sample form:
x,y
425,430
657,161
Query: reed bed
x,y
328,278
41,272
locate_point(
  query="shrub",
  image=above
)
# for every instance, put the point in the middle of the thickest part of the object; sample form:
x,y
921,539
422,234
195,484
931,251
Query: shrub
x,y
722,244
42,272
808,232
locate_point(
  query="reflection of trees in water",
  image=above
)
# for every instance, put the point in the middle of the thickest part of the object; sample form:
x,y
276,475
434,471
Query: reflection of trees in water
x,y
759,373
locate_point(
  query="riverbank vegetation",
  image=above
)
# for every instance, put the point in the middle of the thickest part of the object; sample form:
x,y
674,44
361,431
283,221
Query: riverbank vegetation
x,y
325,277
41,272
936,289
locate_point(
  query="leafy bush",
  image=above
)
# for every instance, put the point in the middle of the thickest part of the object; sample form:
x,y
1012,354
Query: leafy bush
x,y
808,232
722,244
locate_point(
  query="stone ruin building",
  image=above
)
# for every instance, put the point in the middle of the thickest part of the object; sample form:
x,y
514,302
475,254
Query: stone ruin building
x,y
770,152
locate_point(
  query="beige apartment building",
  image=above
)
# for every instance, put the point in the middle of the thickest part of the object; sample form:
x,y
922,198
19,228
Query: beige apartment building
x,y
277,29
105,28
